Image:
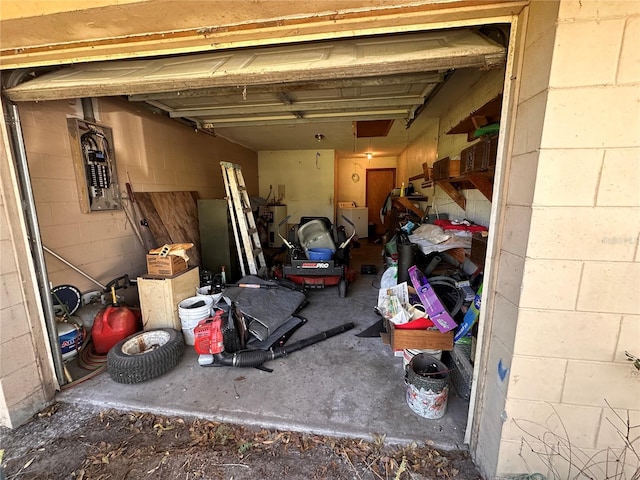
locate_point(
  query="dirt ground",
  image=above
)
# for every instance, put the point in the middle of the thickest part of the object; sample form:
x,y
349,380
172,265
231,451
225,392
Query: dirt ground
x,y
69,442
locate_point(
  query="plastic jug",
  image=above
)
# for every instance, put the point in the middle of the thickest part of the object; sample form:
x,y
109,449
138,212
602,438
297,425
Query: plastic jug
x,y
111,325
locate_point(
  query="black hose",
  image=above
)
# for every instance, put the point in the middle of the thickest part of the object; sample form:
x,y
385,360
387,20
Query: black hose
x,y
256,358
450,283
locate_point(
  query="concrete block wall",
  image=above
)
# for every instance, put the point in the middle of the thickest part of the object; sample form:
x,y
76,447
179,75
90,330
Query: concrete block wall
x,y
467,92
422,149
21,390
26,376
152,152
157,153
570,262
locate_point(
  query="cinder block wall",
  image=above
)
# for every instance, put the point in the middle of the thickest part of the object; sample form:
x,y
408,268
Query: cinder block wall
x,y
151,151
568,300
158,154
26,372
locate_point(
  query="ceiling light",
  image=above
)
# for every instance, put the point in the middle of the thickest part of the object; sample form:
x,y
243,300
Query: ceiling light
x,y
319,137
369,155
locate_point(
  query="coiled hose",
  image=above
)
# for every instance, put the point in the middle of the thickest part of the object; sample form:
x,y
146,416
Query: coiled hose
x,y
450,283
256,358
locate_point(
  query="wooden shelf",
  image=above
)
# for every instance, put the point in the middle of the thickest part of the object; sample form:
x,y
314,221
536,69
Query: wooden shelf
x,y
486,114
482,181
407,202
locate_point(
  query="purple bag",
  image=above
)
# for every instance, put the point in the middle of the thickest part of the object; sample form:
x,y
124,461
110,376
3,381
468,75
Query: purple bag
x,y
435,310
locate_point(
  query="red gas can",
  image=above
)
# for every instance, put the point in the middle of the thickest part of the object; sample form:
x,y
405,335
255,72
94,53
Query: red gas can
x,y
112,325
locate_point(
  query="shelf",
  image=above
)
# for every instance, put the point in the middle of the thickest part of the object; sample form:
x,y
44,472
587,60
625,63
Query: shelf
x,y
486,114
407,202
482,181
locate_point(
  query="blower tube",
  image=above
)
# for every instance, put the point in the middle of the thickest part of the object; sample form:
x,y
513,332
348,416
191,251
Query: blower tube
x,y
256,358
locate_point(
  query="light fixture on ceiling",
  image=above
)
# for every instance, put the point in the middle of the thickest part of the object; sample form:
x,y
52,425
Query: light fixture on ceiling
x,y
369,154
319,137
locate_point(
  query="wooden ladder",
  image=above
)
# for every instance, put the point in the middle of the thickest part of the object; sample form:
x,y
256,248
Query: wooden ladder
x,y
244,225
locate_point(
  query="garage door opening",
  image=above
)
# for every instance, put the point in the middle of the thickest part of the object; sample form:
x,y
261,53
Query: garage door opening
x,y
267,115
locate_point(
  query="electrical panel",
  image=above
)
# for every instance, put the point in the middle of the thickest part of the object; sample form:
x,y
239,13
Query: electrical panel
x,y
95,165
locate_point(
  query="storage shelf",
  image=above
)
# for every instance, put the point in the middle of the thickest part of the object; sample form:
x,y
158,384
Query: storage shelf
x,y
482,181
407,202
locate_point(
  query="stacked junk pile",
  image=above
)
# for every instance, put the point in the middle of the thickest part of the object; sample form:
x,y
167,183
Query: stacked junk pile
x,y
244,324
429,302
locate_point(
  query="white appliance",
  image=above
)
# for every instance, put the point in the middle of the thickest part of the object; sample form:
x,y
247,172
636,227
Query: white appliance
x,y
274,215
359,216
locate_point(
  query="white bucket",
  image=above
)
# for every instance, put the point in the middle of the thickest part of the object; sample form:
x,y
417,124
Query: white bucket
x,y
408,354
206,292
190,317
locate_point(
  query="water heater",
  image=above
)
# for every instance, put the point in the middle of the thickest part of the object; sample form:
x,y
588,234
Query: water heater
x,y
275,214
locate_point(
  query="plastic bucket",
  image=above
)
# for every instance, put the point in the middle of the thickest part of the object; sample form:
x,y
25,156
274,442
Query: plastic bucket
x,y
320,253
409,353
427,380
206,292
190,316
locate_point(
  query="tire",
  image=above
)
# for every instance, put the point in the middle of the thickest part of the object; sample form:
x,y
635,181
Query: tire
x,y
342,288
126,362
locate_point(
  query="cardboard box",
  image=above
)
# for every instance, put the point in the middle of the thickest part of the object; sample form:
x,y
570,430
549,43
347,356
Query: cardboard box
x,y
165,266
400,339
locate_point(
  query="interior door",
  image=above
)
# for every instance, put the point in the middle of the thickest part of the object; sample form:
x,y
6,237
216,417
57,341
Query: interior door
x,y
380,181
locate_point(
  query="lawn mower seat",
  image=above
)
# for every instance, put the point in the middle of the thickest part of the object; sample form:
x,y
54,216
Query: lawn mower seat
x,y
316,232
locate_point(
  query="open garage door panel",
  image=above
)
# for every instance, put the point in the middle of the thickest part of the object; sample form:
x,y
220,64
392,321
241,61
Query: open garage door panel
x,y
356,79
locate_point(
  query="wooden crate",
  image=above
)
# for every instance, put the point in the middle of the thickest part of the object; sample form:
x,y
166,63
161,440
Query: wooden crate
x,y
474,158
446,168
491,152
400,339
159,297
466,160
478,249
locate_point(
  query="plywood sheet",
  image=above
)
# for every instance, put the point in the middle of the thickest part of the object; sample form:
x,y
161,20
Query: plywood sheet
x,y
173,218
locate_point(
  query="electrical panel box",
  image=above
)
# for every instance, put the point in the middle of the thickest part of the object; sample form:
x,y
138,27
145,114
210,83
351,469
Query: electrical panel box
x,y
95,165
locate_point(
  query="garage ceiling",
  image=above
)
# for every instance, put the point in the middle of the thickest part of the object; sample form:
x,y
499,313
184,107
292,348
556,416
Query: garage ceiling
x,y
281,97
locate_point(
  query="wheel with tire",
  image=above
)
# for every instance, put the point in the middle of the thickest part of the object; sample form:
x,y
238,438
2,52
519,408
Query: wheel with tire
x,y
145,355
342,288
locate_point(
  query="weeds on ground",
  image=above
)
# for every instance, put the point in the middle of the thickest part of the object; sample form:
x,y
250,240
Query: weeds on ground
x,y
566,461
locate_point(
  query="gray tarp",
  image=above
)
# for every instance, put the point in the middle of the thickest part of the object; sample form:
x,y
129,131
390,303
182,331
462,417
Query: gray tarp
x,y
265,309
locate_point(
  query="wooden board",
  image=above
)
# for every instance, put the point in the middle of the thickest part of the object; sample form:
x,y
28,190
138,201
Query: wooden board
x,y
173,218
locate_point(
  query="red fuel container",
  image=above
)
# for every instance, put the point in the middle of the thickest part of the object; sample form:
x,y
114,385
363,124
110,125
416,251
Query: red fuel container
x,y
112,325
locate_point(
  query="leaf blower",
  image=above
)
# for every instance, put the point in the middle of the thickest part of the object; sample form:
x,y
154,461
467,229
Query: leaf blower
x,y
209,343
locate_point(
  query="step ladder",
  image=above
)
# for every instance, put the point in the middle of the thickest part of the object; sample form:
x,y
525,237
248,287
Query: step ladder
x,y
244,225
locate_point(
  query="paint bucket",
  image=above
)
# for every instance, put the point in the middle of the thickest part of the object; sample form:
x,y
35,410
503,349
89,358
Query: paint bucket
x,y
409,353
191,312
206,292
427,380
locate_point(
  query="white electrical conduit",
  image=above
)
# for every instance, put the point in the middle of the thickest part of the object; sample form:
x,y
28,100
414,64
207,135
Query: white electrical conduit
x,y
73,267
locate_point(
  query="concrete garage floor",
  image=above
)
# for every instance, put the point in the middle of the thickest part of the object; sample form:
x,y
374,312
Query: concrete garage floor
x,y
345,386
